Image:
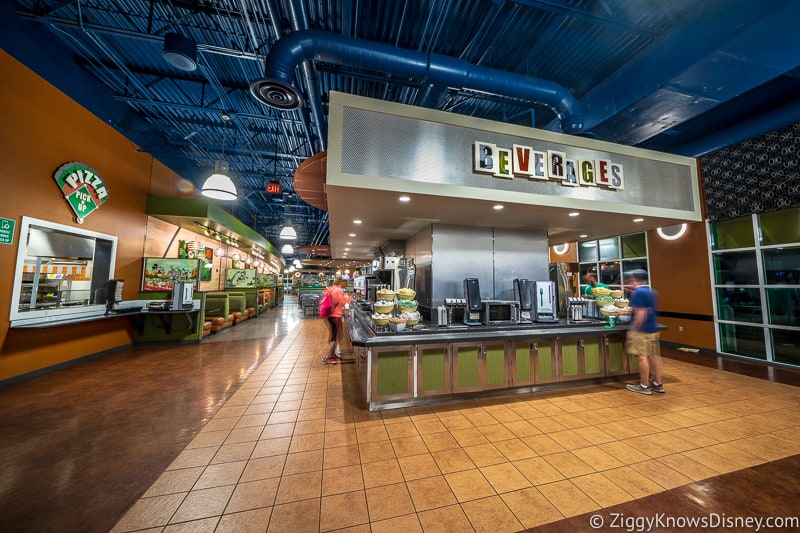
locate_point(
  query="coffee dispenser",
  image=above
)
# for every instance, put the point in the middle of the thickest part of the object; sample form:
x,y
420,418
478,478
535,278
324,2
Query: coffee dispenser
x,y
472,293
544,301
522,294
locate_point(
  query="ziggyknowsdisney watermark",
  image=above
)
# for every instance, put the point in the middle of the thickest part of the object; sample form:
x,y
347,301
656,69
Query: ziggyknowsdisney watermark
x,y
712,520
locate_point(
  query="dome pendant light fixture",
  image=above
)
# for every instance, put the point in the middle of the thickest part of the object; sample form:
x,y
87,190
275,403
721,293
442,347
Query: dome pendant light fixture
x,y
180,52
218,185
288,233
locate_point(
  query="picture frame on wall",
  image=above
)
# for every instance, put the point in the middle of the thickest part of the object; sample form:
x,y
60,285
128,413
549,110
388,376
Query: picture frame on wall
x,y
240,277
159,273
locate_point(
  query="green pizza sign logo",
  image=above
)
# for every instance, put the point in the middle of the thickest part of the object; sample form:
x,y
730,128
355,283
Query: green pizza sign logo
x,y
83,188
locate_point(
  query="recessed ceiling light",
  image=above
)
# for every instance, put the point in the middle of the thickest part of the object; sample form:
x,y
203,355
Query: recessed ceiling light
x,y
582,236
638,220
405,198
351,234
574,214
356,221
498,207
349,243
347,249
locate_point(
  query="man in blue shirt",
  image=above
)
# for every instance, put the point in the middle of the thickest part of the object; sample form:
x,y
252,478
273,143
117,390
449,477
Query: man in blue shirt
x,y
643,336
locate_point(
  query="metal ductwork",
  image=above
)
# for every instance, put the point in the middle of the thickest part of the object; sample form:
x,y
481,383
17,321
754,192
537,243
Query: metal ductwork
x,y
276,89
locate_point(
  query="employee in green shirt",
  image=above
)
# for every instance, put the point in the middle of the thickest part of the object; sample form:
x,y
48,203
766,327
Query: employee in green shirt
x,y
591,282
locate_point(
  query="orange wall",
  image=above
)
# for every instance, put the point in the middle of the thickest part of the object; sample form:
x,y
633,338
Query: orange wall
x,y
679,272
42,129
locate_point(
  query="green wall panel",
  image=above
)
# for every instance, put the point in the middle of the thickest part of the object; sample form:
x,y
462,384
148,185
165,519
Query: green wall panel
x,y
616,355
523,362
392,373
544,361
467,366
591,356
433,369
495,364
569,358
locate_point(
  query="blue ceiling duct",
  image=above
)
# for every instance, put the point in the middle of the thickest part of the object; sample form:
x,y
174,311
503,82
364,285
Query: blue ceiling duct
x,y
276,89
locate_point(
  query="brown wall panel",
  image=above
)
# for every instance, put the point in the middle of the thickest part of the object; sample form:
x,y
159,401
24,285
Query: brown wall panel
x,y
695,332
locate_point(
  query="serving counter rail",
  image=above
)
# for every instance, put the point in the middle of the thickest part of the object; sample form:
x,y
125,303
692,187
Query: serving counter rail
x,y
429,364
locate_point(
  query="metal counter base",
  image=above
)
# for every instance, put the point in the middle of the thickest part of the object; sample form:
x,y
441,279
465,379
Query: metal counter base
x,y
434,365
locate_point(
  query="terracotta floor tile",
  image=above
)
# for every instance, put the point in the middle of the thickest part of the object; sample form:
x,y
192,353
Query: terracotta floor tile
x,y
202,524
282,417
623,452
220,474
546,425
340,456
597,458
208,438
531,508
437,442
514,449
267,447
277,430
376,451
450,519
538,471
193,457
203,504
504,415
173,481
496,432
688,467
569,464
381,473
568,498
430,493
601,489
401,429
244,434
569,439
418,466
658,471
151,512
542,444
262,468
405,446
504,477
407,524
299,487
388,501
570,420
253,495
371,434
721,464
632,482
469,485
304,443
297,463
485,454
429,425
452,460
254,521
344,479
469,437
594,435
491,515
341,510
455,421
296,516
522,428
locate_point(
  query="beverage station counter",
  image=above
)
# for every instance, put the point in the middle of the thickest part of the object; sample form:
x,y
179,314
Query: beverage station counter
x,y
427,363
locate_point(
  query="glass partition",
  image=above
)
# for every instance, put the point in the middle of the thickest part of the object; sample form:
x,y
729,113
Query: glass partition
x,y
60,270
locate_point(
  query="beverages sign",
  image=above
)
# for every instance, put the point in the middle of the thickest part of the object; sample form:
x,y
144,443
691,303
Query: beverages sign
x,y
525,162
82,187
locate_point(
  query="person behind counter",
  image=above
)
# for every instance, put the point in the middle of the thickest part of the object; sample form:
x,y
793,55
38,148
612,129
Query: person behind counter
x,y
591,282
338,299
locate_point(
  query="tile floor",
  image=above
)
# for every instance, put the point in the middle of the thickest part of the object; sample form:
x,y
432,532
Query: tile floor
x,y
294,450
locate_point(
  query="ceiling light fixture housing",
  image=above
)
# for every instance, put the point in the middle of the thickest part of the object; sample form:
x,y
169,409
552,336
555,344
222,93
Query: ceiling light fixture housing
x,y
218,185
180,52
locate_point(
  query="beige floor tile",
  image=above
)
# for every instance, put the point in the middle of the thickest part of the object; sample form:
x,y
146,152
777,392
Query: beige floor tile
x,y
344,479
469,437
569,464
193,526
569,439
594,435
450,519
570,420
538,471
633,482
452,460
623,452
173,481
342,510
388,501
282,417
234,452
407,524
697,439
626,429
405,446
568,498
496,432
503,414
208,438
371,434
504,477
485,454
401,429
299,487
651,445
303,427
430,493
721,464
601,489
514,449
381,473
542,444
491,515
244,434
658,471
221,474
522,428
437,442
418,466
454,421
338,424
597,458
277,430
253,495
263,468
688,467
152,512
203,504
340,456
308,442
193,457
376,451
757,448
429,425
546,425
296,516
480,417
469,485
297,463
531,508
267,447
254,521
742,457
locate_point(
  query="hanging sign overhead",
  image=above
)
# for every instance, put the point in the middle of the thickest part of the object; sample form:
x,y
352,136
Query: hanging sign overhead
x,y
82,187
273,187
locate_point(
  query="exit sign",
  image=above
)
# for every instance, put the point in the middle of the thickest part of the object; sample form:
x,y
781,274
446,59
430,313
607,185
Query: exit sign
x,y
274,187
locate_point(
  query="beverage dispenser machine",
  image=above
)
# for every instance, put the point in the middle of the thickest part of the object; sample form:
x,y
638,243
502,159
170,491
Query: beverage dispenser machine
x,y
522,294
544,301
472,293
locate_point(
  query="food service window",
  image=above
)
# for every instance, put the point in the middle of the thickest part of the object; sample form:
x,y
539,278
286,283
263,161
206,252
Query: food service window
x,y
60,270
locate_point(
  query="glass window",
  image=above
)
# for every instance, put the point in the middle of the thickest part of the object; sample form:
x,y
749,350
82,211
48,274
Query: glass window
x,y
738,304
782,266
743,340
733,233
786,346
610,274
634,245
735,268
780,227
609,249
587,251
639,264
784,307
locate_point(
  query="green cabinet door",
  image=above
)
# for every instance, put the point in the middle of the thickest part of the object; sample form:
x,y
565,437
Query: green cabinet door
x,y
433,370
496,365
570,364
466,367
615,347
522,372
545,357
392,375
592,357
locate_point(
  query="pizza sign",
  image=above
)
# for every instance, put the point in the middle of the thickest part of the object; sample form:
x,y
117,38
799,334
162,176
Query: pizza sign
x,y
82,187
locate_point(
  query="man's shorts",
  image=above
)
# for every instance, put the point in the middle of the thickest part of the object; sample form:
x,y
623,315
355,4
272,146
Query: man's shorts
x,y
646,344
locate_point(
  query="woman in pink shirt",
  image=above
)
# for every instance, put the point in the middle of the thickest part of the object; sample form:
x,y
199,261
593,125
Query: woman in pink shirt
x,y
338,299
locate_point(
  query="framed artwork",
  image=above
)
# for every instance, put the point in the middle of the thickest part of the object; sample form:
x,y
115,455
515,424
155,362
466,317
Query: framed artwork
x,y
240,277
160,273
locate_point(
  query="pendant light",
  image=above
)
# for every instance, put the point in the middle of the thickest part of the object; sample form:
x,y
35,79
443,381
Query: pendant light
x,y
287,249
218,185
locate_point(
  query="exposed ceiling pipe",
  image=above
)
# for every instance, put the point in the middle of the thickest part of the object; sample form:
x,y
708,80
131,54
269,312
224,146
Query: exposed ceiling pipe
x,y
276,90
